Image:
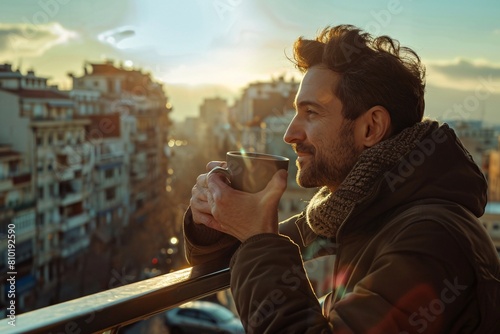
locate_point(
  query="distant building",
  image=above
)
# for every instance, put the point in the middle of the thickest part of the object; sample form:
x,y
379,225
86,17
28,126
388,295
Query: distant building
x,y
263,99
491,221
492,171
110,200
492,168
143,109
214,112
213,128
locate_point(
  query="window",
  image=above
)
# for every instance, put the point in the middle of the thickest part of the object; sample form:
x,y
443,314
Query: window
x,y
108,173
52,191
110,194
40,192
69,138
41,220
38,111
25,109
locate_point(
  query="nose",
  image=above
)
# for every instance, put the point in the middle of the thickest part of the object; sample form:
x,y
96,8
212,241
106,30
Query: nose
x,y
295,132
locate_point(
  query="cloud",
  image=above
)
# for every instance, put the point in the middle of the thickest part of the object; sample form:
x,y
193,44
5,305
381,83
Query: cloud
x,y
463,74
23,40
465,69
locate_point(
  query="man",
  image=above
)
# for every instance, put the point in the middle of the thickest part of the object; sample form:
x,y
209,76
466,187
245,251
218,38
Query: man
x,y
399,197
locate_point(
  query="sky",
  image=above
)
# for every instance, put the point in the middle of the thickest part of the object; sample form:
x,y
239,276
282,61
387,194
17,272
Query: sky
x,y
215,48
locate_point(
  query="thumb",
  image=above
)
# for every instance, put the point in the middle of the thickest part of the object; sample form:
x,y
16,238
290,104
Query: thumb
x,y
277,185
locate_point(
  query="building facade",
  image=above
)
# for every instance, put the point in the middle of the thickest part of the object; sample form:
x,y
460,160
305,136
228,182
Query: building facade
x,y
143,109
17,227
75,167
42,125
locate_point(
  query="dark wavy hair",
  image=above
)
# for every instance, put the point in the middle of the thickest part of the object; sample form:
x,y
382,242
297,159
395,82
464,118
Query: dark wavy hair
x,y
373,71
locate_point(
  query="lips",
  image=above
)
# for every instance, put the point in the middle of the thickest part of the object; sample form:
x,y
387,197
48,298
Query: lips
x,y
301,154
303,150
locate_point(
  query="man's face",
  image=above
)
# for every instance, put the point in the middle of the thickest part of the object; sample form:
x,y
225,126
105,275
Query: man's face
x,y
322,138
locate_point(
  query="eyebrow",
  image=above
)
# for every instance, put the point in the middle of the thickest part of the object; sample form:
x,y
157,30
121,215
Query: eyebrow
x,y
307,103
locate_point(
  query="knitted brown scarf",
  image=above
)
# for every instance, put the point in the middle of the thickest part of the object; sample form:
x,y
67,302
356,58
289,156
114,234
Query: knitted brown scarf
x,y
328,210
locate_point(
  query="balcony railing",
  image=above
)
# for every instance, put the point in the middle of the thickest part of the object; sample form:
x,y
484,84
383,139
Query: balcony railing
x,y
108,311
75,221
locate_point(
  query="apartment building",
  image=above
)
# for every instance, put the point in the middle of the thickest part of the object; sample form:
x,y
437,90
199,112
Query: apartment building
x,y
17,220
491,221
213,128
39,122
110,178
262,99
143,110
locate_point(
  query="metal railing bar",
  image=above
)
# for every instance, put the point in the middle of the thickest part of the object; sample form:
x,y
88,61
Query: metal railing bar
x,y
114,308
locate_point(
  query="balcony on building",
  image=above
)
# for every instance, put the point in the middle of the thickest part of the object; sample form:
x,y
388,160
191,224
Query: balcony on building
x,y
73,246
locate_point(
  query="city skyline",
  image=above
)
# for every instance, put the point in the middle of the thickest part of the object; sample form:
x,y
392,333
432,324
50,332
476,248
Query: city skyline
x,y
202,49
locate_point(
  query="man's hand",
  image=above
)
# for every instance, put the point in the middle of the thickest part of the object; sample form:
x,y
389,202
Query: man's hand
x,y
200,208
238,213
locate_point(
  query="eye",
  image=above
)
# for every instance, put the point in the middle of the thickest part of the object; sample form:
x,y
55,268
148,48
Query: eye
x,y
311,112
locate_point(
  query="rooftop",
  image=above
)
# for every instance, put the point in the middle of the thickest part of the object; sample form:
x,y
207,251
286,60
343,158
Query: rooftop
x,y
38,93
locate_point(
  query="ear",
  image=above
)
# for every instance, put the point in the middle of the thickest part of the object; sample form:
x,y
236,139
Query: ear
x,y
374,126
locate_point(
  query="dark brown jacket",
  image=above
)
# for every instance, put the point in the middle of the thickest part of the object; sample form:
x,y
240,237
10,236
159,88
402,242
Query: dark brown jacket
x,y
410,253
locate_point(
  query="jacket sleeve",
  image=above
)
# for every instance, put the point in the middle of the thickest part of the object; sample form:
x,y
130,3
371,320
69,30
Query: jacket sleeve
x,y
203,244
271,289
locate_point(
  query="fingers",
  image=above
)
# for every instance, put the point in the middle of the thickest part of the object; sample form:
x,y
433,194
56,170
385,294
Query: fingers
x,y
212,164
198,202
216,184
199,193
202,211
201,201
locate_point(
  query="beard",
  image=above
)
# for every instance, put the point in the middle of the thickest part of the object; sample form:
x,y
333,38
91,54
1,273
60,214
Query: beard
x,y
331,164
